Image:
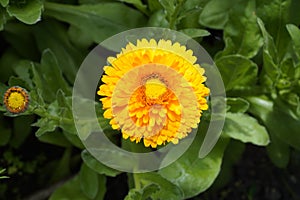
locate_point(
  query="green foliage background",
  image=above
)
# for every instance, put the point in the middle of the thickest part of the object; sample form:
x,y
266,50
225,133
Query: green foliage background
x,y
255,44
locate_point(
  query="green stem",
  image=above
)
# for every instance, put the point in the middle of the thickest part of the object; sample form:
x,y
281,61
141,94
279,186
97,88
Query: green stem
x,y
137,182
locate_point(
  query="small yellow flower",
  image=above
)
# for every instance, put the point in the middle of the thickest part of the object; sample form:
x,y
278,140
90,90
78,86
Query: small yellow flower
x,y
148,92
16,99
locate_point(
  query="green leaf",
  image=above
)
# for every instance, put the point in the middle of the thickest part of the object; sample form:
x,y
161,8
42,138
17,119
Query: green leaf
x,y
63,110
56,138
167,190
192,174
20,37
69,191
79,38
69,58
23,71
49,77
242,127
2,18
58,114
158,19
74,139
16,81
194,32
8,58
276,14
88,181
4,3
243,31
278,151
46,125
102,187
101,20
237,71
270,58
28,11
97,166
237,104
295,35
277,121
154,5
138,4
169,6
215,13
142,194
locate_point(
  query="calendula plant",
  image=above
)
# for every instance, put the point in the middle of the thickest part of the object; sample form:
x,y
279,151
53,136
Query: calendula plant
x,y
254,44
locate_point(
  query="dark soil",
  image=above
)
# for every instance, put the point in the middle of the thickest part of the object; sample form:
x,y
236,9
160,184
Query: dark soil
x,y
255,177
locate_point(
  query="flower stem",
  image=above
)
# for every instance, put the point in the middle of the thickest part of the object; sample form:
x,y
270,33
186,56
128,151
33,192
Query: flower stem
x,y
137,182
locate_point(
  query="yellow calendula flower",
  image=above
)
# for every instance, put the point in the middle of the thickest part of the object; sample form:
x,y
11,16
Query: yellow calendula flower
x,y
16,99
154,91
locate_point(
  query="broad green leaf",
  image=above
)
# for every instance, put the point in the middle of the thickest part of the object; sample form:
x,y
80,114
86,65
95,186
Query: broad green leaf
x,y
97,166
56,138
294,15
69,191
74,139
2,18
79,37
277,121
8,59
16,81
270,58
169,6
278,151
28,11
194,32
243,31
88,181
192,174
23,71
276,14
19,36
68,57
63,110
154,5
36,101
142,194
51,78
295,35
245,128
158,19
237,71
102,187
4,3
215,13
45,125
289,103
167,189
237,104
138,4
98,21
58,114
